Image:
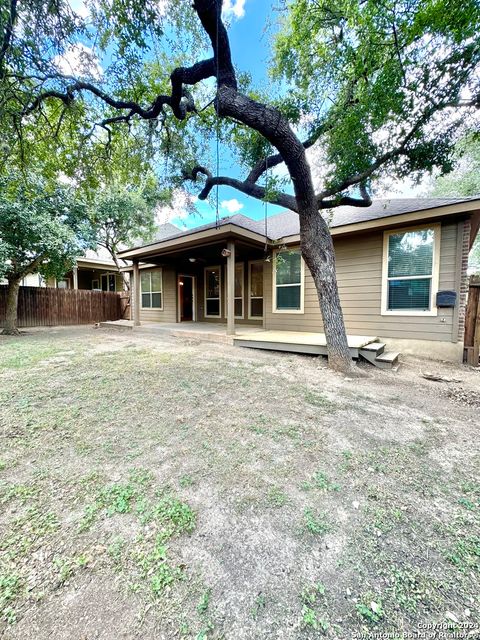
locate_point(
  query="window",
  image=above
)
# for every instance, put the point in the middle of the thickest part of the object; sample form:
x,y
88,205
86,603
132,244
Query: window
x,y
288,282
63,284
213,284
151,289
108,282
255,290
410,271
239,274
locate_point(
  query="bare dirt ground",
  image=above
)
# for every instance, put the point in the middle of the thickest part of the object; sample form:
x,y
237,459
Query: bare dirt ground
x,y
158,488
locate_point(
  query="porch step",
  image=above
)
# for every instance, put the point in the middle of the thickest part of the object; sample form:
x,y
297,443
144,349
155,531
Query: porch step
x,y
375,354
375,347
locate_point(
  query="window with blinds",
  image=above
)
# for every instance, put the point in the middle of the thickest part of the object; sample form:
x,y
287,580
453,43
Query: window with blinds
x,y
288,281
255,289
410,270
151,289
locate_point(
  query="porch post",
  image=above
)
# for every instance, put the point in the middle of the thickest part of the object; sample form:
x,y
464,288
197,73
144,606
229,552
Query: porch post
x,y
75,277
231,288
136,294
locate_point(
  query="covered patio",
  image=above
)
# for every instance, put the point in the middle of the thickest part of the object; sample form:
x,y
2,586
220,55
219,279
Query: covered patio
x,y
204,277
246,336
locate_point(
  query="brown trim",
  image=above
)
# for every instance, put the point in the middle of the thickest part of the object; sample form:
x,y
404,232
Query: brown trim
x,y
192,239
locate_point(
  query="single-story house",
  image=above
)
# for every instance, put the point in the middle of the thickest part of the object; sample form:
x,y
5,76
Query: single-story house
x,y
401,267
93,271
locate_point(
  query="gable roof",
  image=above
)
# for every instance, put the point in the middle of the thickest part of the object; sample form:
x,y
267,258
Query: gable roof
x,y
286,223
165,231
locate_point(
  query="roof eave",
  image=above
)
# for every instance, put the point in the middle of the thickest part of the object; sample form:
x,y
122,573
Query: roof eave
x,y
468,207
190,240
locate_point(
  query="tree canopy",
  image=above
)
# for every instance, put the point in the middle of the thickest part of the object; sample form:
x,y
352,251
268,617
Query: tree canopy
x,y
120,215
464,180
379,88
35,230
391,85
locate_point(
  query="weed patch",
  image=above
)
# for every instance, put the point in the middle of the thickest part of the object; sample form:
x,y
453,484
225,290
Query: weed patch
x,y
316,523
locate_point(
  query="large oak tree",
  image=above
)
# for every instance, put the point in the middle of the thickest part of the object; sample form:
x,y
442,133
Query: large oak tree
x,y
379,87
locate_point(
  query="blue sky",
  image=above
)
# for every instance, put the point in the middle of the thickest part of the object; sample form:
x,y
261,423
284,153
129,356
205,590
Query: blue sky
x,y
250,44
251,28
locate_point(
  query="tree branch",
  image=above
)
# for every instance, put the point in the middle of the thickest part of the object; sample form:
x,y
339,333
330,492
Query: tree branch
x,y
246,187
7,36
276,158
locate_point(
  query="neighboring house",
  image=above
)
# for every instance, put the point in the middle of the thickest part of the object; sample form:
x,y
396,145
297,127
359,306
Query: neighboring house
x,y
94,270
396,262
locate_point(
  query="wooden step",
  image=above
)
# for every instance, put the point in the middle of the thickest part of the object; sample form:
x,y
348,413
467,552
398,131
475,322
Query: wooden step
x,y
387,360
376,347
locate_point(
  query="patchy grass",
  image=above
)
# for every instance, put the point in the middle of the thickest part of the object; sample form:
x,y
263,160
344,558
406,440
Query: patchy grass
x,y
209,492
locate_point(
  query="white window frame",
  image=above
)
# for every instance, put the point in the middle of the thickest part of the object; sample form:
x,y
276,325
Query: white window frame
x,y
107,276
274,283
242,297
219,291
151,308
433,311
250,297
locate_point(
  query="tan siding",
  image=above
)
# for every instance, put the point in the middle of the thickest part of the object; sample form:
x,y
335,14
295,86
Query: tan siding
x,y
169,311
359,270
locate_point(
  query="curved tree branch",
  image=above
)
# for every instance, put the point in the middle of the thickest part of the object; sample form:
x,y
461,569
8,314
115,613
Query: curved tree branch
x,y
246,187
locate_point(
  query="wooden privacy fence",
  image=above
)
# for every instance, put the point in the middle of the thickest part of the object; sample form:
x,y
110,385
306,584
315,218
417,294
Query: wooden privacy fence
x,y
472,325
47,307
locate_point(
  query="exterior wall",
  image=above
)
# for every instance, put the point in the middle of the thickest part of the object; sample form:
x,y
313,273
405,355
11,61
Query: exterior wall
x,y
359,271
169,299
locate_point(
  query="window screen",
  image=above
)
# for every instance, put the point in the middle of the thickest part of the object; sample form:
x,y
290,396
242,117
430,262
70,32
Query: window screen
x,y
288,280
410,270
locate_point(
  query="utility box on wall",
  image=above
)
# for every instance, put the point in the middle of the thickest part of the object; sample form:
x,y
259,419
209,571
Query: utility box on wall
x,y
446,298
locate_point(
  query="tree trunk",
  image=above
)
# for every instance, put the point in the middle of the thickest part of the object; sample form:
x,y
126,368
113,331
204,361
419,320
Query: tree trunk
x,y
126,281
315,238
319,255
12,309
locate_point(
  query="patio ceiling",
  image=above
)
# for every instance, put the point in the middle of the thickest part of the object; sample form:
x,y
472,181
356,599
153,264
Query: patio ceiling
x,y
206,254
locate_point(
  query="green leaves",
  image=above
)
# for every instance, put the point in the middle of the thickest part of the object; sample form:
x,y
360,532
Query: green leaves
x,y
35,234
379,74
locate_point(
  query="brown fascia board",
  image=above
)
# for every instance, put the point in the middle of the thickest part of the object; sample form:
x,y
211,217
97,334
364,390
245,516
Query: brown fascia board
x,y
469,209
191,240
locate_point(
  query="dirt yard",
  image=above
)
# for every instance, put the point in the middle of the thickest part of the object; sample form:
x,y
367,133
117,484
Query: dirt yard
x,y
158,488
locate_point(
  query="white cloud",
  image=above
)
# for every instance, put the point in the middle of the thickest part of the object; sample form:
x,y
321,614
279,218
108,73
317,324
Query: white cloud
x,y
234,8
232,206
79,60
